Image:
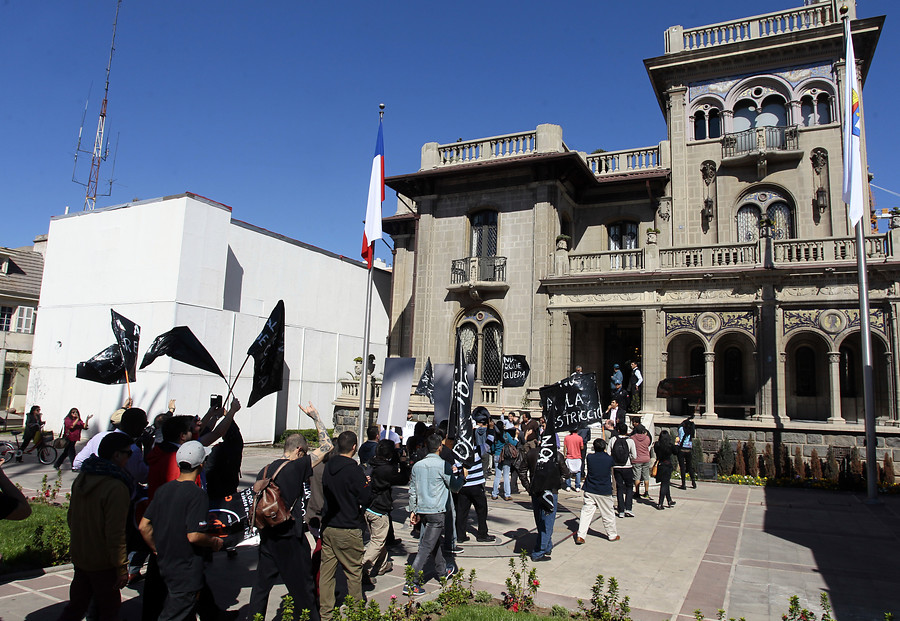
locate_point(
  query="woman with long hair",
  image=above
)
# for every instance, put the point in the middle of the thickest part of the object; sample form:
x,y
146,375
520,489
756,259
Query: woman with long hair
x,y
72,426
664,449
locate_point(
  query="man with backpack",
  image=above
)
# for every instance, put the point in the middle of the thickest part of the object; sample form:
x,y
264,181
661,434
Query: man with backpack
x,y
283,547
686,451
623,451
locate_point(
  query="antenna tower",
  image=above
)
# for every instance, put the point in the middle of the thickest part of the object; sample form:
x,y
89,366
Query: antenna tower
x,y
100,151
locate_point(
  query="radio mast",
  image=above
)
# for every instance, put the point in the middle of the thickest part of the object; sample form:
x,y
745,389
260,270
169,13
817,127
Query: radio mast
x,y
100,151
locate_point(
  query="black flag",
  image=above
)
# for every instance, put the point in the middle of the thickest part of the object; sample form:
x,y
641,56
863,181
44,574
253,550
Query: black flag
x,y
268,356
515,371
181,344
104,368
425,386
128,335
460,423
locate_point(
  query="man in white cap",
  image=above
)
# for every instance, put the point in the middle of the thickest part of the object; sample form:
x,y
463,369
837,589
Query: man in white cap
x,y
174,527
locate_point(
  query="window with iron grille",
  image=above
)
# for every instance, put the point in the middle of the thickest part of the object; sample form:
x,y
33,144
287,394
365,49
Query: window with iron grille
x,y
481,335
484,234
6,313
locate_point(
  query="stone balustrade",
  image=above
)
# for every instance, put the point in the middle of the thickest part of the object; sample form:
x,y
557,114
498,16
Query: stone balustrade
x,y
350,388
612,162
678,39
607,261
749,255
727,255
510,145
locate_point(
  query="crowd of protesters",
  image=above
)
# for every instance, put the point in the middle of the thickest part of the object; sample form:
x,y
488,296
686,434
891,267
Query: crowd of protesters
x,y
144,493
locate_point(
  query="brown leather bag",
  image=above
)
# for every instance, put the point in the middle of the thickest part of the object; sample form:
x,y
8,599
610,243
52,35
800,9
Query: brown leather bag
x,y
269,508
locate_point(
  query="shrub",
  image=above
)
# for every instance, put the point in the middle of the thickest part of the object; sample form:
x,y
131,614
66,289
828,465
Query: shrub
x,y
888,469
740,467
483,597
751,457
559,611
454,593
521,585
311,435
832,468
697,454
606,606
725,458
815,465
783,464
799,470
856,464
769,462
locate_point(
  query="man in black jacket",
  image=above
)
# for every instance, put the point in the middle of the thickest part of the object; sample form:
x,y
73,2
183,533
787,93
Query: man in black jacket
x,y
385,468
347,490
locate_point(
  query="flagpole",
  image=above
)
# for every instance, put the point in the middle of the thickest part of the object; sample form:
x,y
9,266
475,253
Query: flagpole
x,y
856,176
363,381
125,364
231,384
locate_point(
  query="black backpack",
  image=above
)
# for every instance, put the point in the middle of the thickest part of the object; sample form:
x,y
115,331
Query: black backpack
x,y
620,451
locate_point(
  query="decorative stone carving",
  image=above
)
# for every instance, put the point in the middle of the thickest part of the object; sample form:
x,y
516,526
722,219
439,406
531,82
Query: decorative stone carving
x,y
742,320
664,208
709,323
832,321
819,159
680,321
708,170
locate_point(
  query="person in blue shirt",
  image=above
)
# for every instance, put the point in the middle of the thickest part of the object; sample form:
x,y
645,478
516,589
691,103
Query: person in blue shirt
x,y
685,451
502,437
598,493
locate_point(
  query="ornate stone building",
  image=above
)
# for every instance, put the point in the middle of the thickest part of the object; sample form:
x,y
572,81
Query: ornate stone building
x,y
725,250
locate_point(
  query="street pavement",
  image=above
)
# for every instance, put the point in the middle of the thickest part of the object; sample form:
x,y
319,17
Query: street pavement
x,y
722,546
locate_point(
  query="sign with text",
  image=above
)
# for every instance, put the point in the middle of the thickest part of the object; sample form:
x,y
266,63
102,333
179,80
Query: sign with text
x,y
572,403
515,371
394,403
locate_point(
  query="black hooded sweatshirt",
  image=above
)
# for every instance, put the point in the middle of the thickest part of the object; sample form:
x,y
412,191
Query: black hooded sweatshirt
x,y
346,492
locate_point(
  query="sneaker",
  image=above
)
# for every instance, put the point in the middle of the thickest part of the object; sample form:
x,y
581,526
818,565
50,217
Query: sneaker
x,y
462,539
629,514
570,489
413,591
451,569
368,580
579,541
386,568
456,550
620,515
545,557
616,538
486,539
133,578
494,497
672,504
694,484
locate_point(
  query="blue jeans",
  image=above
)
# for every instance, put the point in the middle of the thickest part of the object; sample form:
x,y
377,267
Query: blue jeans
x,y
577,480
544,521
501,472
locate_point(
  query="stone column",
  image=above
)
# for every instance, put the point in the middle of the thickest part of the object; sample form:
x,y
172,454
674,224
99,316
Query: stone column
x,y
710,358
892,392
834,382
782,386
560,344
2,374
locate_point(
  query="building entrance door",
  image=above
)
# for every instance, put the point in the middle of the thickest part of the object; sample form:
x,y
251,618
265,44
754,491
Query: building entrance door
x,y
600,340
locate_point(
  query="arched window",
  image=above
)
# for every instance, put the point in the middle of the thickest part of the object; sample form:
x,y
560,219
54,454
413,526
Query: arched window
x,y
807,111
805,372
848,372
484,234
733,372
748,223
481,335
823,109
699,126
715,124
698,366
772,113
744,115
780,214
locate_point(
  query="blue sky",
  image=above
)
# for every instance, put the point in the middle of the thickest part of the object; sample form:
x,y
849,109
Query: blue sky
x,y
272,107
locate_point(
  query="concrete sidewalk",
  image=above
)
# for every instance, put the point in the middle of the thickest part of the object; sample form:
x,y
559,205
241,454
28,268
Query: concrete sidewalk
x,y
744,549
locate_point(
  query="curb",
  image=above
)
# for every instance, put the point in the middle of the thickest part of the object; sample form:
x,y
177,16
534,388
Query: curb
x,y
34,573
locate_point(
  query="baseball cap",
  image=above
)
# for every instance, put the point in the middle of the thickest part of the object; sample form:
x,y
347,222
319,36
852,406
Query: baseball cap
x,y
192,453
615,366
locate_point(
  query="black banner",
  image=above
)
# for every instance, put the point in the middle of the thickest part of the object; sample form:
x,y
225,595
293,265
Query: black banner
x,y
181,344
685,387
546,469
572,403
425,387
268,356
460,423
515,371
104,368
128,336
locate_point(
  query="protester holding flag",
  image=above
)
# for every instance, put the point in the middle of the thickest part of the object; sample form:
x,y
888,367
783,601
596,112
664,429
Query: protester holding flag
x,y
547,474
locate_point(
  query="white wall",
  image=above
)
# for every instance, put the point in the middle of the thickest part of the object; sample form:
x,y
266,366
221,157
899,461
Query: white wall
x,y
183,261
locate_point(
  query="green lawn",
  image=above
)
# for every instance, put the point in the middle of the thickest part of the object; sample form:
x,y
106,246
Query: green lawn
x,y
41,540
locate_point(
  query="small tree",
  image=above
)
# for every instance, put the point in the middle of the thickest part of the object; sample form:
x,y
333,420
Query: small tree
x,y
799,470
856,464
832,467
815,465
751,458
725,458
740,468
888,469
769,462
784,459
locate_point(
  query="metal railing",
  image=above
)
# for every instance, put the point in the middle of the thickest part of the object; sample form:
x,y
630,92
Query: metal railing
x,y
757,139
478,269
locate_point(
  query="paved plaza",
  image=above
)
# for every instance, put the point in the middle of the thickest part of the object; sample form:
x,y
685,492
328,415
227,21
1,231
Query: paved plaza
x,y
723,546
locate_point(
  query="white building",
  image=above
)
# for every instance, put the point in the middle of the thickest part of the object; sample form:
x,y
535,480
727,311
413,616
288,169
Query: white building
x,y
183,260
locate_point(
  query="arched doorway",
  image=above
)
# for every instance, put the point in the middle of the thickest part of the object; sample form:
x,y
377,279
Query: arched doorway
x,y
851,378
806,377
736,379
684,356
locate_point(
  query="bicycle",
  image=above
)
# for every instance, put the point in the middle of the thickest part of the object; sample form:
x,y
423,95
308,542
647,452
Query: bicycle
x,y
46,453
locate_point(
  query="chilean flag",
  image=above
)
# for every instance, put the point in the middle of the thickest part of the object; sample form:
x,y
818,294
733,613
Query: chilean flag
x,y
853,171
372,232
